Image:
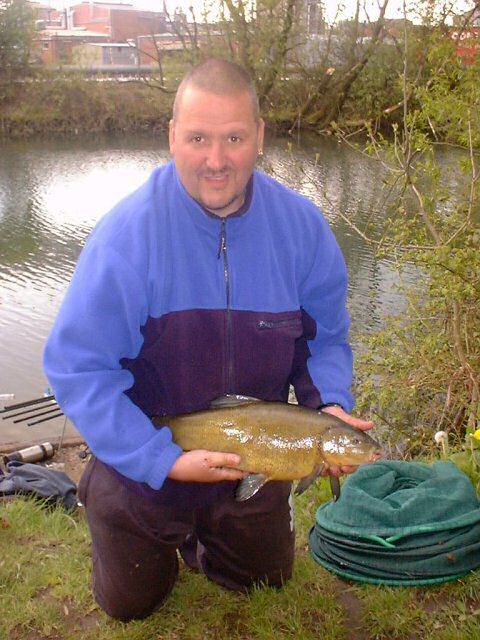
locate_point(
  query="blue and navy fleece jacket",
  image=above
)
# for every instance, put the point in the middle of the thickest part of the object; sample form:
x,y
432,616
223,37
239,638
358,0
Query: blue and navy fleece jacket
x,y
170,308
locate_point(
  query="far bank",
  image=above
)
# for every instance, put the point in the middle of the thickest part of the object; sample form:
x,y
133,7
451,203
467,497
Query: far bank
x,y
76,106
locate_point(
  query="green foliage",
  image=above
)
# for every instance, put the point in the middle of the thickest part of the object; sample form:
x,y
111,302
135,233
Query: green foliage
x,y
421,372
71,106
451,104
468,460
377,87
16,33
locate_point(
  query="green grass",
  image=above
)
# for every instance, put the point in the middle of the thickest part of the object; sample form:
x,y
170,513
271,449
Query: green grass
x,y
45,593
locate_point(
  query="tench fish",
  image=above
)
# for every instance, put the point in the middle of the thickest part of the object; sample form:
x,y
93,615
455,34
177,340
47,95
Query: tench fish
x,y
276,441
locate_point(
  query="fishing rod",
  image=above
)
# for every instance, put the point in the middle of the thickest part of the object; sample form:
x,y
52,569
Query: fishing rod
x,y
46,408
21,405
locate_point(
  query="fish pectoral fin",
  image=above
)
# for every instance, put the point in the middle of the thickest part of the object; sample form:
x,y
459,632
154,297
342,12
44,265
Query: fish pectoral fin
x,y
232,401
335,487
249,486
308,480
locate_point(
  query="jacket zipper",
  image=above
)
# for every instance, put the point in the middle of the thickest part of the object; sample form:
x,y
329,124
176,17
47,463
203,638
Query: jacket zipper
x,y
222,250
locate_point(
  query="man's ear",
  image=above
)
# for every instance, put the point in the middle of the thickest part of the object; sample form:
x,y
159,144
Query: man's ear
x,y
260,134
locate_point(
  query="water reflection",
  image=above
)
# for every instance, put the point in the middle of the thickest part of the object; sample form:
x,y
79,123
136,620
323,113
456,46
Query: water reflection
x,y
52,194
344,183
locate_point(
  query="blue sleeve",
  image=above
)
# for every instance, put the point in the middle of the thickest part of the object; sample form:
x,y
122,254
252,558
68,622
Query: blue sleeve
x,y
323,297
99,324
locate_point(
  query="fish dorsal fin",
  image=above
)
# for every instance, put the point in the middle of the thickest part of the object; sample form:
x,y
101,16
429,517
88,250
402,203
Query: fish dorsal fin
x,y
249,486
308,480
232,401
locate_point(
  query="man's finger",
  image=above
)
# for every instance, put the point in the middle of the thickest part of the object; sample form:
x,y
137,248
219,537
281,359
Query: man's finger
x,y
223,473
358,423
337,471
219,459
364,425
348,469
331,470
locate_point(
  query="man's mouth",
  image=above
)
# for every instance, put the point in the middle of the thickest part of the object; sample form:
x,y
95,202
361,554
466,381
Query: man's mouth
x,y
216,177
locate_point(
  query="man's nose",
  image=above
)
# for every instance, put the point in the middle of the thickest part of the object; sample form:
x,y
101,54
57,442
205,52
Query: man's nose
x,y
216,158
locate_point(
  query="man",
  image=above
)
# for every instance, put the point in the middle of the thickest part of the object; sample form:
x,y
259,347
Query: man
x,y
210,279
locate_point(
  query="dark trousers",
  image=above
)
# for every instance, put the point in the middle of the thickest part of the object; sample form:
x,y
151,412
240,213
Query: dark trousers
x,y
135,540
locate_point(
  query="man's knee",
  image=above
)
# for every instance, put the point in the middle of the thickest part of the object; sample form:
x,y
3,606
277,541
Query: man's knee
x,y
125,611
243,579
125,599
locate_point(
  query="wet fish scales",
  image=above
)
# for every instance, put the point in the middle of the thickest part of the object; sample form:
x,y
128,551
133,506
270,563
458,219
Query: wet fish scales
x,y
266,443
275,441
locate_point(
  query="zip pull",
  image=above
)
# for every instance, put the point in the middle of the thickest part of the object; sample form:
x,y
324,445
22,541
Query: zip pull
x,y
222,245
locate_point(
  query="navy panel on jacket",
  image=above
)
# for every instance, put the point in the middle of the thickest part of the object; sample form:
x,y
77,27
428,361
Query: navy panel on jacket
x,y
177,371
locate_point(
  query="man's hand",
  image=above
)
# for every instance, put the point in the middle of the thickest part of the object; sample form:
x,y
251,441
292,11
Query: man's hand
x,y
206,466
358,423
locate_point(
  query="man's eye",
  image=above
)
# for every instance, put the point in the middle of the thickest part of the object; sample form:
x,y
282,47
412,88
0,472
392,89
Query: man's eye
x,y
234,138
197,139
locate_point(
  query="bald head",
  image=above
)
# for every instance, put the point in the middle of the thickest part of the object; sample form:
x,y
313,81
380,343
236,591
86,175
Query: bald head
x,y
220,77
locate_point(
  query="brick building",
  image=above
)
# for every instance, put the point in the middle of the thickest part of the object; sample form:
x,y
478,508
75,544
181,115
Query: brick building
x,y
101,55
60,32
46,15
467,43
119,22
56,46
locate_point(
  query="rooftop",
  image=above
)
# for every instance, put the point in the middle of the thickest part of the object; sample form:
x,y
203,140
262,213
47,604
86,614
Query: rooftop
x,y
71,33
108,5
111,44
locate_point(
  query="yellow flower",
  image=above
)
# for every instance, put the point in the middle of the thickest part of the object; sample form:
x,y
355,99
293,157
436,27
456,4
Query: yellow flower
x,y
476,434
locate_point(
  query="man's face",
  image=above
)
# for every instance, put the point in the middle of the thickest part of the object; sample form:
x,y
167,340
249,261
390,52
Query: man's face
x,y
214,142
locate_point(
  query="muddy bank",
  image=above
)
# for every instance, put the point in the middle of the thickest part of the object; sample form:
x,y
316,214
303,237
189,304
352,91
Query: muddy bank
x,y
70,458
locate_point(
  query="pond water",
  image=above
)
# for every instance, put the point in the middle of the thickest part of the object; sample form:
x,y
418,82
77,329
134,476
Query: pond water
x,y
52,194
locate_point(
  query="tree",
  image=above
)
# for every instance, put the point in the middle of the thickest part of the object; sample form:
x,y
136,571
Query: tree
x,y
328,98
421,372
16,36
257,36
263,37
